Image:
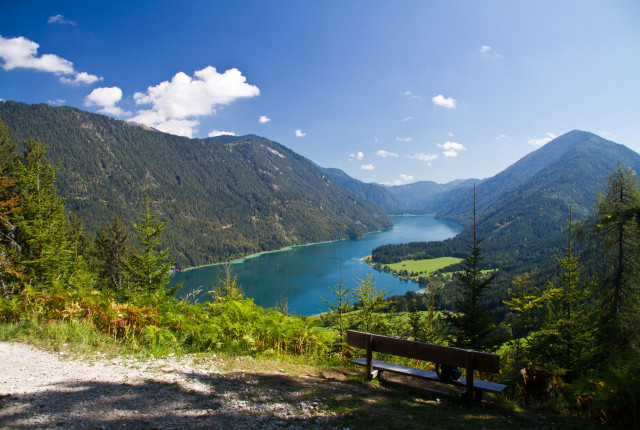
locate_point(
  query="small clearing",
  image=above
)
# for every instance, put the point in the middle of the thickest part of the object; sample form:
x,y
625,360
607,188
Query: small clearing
x,y
42,390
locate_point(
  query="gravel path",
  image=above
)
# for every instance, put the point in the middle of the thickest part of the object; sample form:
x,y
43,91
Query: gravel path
x,y
40,389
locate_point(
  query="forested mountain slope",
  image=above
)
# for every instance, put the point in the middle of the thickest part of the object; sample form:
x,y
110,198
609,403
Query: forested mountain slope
x,y
374,193
522,213
428,196
419,197
523,171
223,198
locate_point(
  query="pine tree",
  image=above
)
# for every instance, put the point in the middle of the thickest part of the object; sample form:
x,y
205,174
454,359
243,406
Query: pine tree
x,y
147,270
426,327
619,292
42,223
227,287
112,247
471,324
335,315
565,339
369,300
11,270
9,157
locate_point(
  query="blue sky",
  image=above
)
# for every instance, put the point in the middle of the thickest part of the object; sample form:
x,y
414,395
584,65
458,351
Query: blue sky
x,y
388,91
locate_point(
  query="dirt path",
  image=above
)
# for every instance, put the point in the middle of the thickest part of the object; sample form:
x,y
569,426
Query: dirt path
x,y
39,389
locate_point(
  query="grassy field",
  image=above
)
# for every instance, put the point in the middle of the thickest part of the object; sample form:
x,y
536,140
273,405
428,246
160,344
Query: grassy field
x,y
422,267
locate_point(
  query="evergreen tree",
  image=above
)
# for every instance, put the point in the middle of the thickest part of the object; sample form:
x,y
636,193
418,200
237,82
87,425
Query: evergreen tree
x,y
370,300
227,287
9,157
147,270
426,327
619,291
11,271
42,223
565,339
471,324
112,247
335,315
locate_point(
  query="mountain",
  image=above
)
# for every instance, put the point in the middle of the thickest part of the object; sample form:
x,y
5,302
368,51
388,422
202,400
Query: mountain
x,y
374,193
223,197
418,197
522,213
428,196
550,156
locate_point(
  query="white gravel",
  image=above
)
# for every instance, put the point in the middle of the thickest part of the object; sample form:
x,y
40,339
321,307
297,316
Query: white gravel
x,y
39,389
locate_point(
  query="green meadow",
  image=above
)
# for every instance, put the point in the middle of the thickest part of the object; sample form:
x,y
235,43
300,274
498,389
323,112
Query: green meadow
x,y
421,267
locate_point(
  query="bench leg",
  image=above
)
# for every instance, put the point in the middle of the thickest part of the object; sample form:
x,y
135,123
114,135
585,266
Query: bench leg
x,y
477,396
469,376
370,372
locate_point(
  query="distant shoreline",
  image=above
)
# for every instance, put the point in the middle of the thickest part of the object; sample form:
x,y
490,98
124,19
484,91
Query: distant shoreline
x,y
288,248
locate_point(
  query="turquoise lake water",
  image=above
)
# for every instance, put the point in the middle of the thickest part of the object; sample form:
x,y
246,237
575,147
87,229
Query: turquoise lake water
x,y
303,274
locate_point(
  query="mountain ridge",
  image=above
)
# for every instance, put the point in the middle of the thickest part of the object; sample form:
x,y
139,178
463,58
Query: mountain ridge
x,y
522,226
223,197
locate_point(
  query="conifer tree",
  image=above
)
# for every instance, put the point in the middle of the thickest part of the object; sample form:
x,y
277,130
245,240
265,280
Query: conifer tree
x,y
147,270
370,300
565,337
619,291
9,157
335,315
11,271
471,324
42,223
112,247
227,287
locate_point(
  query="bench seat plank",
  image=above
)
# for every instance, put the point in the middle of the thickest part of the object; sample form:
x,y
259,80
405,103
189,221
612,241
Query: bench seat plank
x,y
429,375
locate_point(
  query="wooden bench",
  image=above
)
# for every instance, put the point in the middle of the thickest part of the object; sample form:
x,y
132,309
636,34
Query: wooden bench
x,y
444,355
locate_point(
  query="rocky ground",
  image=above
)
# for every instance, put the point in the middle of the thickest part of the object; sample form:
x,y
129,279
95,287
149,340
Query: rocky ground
x,y
40,389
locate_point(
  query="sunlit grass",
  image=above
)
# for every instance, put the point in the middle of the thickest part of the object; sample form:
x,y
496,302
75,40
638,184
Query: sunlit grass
x,y
422,267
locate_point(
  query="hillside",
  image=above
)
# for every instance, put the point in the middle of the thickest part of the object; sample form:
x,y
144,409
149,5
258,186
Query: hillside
x,y
374,193
418,197
522,213
550,156
223,198
428,196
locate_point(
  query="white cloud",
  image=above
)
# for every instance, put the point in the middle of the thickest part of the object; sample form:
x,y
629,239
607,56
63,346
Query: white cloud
x,y
81,78
404,139
384,154
367,167
263,119
21,53
216,133
424,157
56,102
175,105
408,118
445,102
450,134
59,19
401,181
542,140
358,155
413,96
106,99
489,52
451,149
300,133
502,136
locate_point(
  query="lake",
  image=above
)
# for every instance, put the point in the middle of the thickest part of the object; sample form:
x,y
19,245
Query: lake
x,y
303,274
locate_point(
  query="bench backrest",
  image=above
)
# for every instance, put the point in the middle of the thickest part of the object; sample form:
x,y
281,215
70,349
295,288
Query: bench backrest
x,y
450,356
